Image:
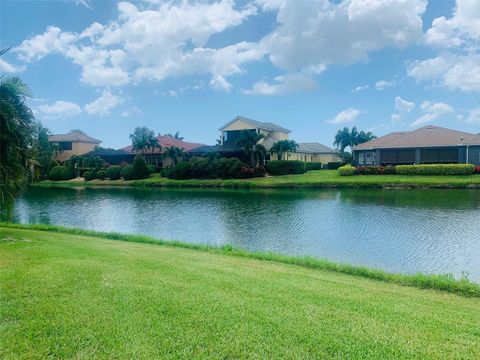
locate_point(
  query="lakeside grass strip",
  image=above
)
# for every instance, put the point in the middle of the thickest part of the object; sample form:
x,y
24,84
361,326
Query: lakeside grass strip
x,y
310,180
441,282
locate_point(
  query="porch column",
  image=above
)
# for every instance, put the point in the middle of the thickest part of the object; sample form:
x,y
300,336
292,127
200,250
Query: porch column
x,y
418,156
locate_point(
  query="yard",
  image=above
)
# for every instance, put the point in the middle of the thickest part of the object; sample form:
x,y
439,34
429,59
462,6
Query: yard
x,y
78,296
311,179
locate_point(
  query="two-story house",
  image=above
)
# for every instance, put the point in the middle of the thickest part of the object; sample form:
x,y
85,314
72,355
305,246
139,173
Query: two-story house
x,y
73,143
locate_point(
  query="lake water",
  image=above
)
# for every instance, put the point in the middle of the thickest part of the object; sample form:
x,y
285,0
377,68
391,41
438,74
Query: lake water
x,y
431,231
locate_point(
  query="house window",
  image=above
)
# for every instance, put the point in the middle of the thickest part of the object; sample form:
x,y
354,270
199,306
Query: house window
x,y
65,145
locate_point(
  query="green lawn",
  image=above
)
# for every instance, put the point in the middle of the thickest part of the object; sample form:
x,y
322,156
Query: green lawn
x,y
311,179
75,296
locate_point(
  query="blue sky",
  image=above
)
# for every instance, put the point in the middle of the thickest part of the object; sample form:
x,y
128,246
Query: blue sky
x,y
311,66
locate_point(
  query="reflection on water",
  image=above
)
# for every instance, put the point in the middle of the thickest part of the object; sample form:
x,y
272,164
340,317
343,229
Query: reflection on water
x,y
397,230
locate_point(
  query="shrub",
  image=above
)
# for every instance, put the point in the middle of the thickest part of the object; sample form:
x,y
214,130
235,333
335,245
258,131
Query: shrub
x,y
127,172
260,171
313,166
68,173
89,175
113,172
285,167
56,173
226,168
140,168
101,174
181,171
200,167
435,169
334,165
376,170
51,165
477,169
346,170
152,169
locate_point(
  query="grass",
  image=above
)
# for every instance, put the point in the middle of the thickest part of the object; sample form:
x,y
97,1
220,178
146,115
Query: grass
x,y
311,179
79,296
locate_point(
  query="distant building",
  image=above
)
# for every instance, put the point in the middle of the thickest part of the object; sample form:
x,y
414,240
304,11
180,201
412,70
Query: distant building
x,y
427,145
73,143
154,157
308,152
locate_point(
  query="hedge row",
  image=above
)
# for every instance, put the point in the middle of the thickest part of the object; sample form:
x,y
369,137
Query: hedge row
x,y
285,167
433,169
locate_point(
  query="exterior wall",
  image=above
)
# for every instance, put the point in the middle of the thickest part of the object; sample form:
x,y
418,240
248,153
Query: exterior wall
x,y
423,156
308,157
78,148
474,155
279,135
239,125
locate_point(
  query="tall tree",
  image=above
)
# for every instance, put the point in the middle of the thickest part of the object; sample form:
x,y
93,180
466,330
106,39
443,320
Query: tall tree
x,y
349,138
44,150
283,147
174,153
247,140
259,153
142,139
17,131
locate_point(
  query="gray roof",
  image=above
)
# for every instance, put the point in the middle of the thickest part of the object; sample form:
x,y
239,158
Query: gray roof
x,y
315,148
73,136
427,136
258,124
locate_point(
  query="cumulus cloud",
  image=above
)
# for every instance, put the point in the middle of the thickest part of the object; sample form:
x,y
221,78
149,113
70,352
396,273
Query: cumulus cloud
x,y
395,118
167,39
312,33
462,29
403,105
382,84
360,88
284,85
134,110
458,66
346,116
432,111
103,104
9,68
57,110
473,117
457,72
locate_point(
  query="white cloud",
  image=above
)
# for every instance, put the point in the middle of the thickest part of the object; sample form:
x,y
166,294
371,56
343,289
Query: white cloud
x,y
58,110
166,39
360,88
395,118
346,116
85,3
268,5
313,33
382,84
134,110
103,104
460,30
403,105
473,117
9,68
432,111
284,85
457,72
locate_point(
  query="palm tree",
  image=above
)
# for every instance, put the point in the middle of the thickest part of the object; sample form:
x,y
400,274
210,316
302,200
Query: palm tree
x,y
176,136
284,146
17,132
154,144
247,140
260,152
349,138
174,153
142,139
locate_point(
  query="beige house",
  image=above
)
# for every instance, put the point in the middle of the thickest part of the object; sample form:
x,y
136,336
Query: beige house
x,y
308,152
73,143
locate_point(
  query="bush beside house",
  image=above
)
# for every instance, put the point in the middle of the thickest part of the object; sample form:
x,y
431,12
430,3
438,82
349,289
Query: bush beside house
x,y
127,172
285,167
113,172
425,170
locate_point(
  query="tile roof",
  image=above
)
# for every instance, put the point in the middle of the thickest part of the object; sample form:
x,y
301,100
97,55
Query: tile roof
x,y
427,136
315,148
73,136
169,141
259,124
